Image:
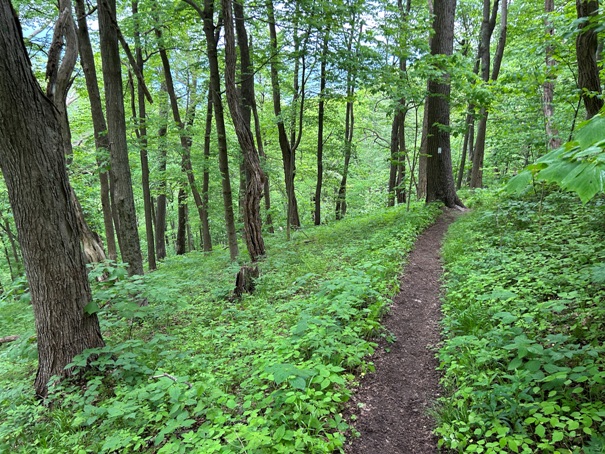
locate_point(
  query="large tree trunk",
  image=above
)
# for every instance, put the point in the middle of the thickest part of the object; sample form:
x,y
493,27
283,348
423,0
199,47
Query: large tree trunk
x,y
33,163
586,52
440,180
288,157
98,123
241,122
121,180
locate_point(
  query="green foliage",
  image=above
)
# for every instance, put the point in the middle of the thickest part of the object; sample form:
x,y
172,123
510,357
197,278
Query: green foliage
x,y
195,371
578,166
524,322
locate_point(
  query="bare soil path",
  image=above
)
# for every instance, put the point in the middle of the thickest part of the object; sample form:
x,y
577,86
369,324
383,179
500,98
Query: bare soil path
x,y
391,404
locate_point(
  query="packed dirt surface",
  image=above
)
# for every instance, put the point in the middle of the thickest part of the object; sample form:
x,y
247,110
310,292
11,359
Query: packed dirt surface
x,y
391,405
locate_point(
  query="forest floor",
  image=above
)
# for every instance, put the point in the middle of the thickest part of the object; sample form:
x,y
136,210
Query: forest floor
x,y
392,405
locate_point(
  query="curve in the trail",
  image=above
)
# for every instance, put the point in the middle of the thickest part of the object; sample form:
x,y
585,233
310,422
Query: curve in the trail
x,y
391,404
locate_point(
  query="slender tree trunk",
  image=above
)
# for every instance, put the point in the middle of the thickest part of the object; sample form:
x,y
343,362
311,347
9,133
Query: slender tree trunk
x,y
287,153
206,238
162,203
548,88
211,32
33,163
487,28
121,180
99,126
241,121
440,180
321,112
141,132
586,51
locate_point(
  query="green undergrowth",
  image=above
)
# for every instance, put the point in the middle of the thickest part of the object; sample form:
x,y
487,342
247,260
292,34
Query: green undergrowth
x,y
524,326
197,371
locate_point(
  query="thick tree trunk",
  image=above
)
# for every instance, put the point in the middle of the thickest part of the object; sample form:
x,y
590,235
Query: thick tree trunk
x,y
586,52
98,123
121,180
33,163
288,157
141,132
241,121
440,180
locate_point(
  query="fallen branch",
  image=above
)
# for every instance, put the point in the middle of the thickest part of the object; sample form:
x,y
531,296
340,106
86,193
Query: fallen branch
x,y
171,377
7,339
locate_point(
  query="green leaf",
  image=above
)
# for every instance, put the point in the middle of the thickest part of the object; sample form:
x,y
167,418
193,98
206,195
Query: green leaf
x,y
540,431
591,131
557,435
279,433
92,308
519,183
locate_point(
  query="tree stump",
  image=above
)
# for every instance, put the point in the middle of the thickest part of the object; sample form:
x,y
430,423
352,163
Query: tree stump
x,y
245,280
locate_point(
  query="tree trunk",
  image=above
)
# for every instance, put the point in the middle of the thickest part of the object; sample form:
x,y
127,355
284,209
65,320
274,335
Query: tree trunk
x,y
487,29
141,132
440,180
321,112
586,52
98,123
211,32
241,122
288,157
162,202
33,163
206,238
121,180
552,134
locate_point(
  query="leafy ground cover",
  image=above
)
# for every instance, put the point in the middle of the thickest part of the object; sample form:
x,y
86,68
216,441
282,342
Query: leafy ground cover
x,y
524,314
196,371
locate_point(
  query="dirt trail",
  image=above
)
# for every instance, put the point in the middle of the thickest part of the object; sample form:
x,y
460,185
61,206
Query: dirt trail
x,y
391,405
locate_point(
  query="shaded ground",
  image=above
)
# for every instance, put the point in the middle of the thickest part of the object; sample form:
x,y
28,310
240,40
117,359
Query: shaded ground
x,y
391,405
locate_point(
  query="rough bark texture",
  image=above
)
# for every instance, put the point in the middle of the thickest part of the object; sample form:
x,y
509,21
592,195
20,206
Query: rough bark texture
x,y
241,121
98,123
206,238
586,51
33,164
440,180
121,180
162,202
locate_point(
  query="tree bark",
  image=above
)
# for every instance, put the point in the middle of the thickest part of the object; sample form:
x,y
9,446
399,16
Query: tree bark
x,y
206,237
487,29
98,123
211,32
440,180
141,132
288,157
121,180
586,52
321,112
162,202
33,163
241,121
548,88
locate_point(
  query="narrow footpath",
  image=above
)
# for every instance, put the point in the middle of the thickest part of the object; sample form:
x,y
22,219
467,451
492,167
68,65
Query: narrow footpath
x,y
391,404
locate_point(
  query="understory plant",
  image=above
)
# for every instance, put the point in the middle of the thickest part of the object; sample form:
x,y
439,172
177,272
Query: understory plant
x,y
524,322
199,371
